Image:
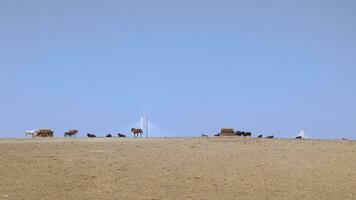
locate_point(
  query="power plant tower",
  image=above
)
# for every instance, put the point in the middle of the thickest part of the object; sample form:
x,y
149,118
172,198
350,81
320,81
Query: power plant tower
x,y
144,124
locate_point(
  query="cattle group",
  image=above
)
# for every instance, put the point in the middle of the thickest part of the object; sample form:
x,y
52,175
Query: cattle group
x,y
48,133
230,132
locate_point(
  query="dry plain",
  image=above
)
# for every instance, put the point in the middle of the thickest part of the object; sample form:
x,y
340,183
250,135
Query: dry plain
x,y
177,168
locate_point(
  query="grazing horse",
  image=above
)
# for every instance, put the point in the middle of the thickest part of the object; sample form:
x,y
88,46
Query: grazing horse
x,y
71,133
91,135
270,137
108,135
260,136
137,132
121,135
45,133
31,133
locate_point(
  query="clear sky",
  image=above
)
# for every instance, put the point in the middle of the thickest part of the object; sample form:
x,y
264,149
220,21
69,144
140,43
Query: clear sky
x,y
270,67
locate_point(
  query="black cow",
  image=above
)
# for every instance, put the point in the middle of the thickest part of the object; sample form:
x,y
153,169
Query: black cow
x,y
108,135
260,136
239,133
91,135
247,134
121,135
270,137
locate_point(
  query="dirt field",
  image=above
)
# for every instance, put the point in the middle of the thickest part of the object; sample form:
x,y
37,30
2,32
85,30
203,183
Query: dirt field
x,y
190,168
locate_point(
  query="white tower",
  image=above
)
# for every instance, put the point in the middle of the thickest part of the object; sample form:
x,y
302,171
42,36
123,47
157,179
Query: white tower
x,y
144,124
302,133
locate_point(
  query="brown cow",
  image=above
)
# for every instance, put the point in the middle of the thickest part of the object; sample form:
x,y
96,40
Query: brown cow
x,y
71,133
45,133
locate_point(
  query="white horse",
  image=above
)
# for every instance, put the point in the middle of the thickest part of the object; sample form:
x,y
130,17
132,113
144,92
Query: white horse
x,y
32,133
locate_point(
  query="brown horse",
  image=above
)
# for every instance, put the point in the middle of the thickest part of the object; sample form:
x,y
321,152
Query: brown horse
x,y
137,132
71,133
45,133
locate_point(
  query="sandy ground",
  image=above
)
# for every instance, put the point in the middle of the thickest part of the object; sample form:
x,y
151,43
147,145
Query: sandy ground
x,y
190,168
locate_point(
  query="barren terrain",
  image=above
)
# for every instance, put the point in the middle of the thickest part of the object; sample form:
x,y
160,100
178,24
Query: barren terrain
x,y
185,168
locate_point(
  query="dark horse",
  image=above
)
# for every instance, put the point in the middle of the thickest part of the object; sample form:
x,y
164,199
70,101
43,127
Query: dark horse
x,y
137,132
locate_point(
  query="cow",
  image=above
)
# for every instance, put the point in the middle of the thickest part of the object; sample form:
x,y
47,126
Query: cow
x,y
203,135
71,133
247,134
239,133
45,133
299,137
260,136
108,135
91,135
31,133
270,137
121,135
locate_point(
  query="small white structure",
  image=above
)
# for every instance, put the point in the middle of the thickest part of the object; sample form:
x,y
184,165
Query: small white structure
x,y
302,134
144,124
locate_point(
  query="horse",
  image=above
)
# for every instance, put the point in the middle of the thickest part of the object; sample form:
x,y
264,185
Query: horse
x,y
270,137
260,136
217,135
121,135
137,132
299,137
71,133
45,133
203,135
31,133
91,135
108,135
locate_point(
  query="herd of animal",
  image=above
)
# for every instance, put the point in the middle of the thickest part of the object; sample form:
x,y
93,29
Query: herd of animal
x,y
43,133
137,132
249,134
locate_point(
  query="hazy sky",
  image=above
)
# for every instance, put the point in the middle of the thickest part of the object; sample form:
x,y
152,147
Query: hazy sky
x,y
270,67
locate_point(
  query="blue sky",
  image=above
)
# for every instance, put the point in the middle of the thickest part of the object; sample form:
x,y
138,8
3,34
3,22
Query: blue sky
x,y
270,67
